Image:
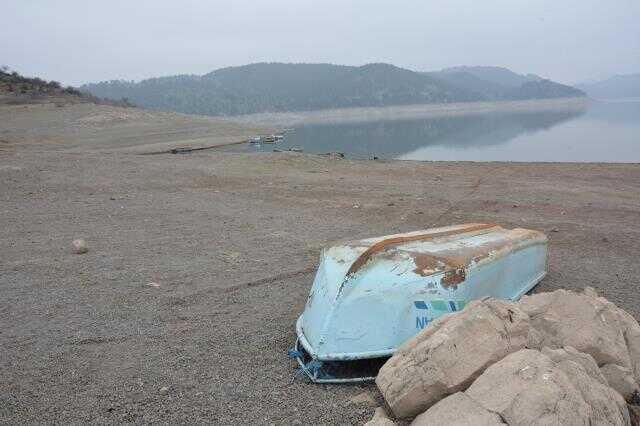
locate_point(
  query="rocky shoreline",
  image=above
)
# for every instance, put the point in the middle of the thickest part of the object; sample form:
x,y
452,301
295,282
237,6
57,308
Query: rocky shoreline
x,y
551,358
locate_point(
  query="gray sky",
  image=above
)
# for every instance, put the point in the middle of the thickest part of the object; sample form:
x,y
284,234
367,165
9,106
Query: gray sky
x,y
78,41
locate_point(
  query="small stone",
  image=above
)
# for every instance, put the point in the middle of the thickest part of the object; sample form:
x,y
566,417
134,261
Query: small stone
x,y
591,292
363,398
79,246
356,206
152,284
391,204
335,155
163,390
553,230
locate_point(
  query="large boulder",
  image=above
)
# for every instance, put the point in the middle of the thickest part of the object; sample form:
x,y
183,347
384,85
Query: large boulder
x,y
549,387
457,410
634,414
380,418
621,379
589,323
450,354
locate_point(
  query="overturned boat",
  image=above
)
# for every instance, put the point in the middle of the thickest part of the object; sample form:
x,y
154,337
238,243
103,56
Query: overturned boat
x,y
370,296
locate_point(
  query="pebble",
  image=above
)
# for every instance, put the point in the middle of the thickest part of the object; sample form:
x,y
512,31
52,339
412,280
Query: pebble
x,y
363,398
164,390
79,246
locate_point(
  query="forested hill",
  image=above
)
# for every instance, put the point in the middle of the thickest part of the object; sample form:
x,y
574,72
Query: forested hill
x,y
496,83
277,87
15,88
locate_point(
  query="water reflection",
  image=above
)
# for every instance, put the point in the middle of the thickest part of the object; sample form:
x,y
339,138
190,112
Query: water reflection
x,y
605,132
392,139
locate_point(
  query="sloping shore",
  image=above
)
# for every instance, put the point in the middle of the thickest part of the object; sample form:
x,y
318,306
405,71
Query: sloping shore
x,y
86,126
231,242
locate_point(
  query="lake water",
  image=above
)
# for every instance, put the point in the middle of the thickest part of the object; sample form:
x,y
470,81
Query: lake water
x,y
603,132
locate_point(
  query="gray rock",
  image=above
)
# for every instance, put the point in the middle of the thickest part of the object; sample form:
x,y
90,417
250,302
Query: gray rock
x,y
79,246
529,387
621,379
589,323
457,410
569,353
634,414
380,418
450,354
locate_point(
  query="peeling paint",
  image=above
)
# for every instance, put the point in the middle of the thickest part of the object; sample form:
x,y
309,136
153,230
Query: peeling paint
x,y
453,277
362,304
396,240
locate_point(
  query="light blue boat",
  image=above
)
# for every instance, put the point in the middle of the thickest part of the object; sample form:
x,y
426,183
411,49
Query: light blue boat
x,y
370,296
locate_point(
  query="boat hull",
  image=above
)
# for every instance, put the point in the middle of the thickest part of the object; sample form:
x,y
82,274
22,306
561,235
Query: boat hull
x,y
370,296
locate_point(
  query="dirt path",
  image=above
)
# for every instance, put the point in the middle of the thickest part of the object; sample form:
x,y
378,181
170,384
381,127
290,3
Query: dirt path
x,y
232,241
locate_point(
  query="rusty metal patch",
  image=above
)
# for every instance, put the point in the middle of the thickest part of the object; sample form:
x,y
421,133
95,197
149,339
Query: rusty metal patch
x,y
384,244
453,277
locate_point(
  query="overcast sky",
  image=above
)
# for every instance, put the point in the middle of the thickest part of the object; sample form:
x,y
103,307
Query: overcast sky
x,y
78,41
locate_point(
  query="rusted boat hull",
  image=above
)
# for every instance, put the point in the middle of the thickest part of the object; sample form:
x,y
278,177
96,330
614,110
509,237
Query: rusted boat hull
x,y
370,296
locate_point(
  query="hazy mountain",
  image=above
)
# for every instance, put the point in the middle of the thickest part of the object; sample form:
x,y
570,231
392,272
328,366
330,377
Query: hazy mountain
x,y
277,87
495,83
619,86
468,81
496,75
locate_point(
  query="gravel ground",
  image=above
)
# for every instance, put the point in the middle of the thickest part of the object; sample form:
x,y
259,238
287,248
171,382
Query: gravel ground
x,y
232,241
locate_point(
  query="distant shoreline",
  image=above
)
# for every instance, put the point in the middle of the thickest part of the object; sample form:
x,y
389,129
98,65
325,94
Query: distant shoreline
x,y
406,112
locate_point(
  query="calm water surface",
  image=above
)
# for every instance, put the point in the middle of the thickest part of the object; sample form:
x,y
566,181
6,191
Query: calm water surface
x,y
604,132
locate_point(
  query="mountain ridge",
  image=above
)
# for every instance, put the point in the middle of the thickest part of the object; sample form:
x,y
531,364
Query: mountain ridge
x,y
614,87
284,87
